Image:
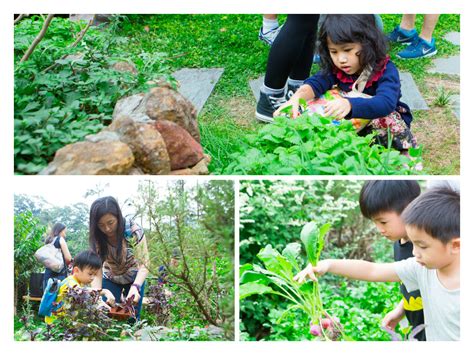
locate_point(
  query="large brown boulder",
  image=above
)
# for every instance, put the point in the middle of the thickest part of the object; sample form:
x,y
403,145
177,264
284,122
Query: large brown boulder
x,y
183,149
164,103
88,158
146,143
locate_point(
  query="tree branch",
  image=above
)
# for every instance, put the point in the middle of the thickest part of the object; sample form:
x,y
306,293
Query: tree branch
x,y
38,38
79,38
19,18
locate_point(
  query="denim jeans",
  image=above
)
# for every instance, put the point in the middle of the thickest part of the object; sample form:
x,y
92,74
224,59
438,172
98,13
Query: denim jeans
x,y
117,290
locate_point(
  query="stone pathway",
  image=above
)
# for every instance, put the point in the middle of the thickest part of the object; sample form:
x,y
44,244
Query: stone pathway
x,y
450,66
410,93
197,84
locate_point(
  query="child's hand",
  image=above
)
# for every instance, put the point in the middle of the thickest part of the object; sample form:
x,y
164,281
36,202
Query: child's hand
x,y
309,271
294,102
393,317
338,108
110,299
133,293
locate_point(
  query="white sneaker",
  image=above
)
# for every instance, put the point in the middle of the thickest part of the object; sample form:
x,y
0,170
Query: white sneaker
x,y
269,37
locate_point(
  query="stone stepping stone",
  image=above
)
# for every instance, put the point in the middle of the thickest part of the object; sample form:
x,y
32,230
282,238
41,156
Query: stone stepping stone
x,y
410,93
450,65
453,37
456,103
99,18
197,84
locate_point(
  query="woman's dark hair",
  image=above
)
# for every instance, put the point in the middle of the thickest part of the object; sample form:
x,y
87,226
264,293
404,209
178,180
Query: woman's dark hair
x,y
55,231
97,239
352,29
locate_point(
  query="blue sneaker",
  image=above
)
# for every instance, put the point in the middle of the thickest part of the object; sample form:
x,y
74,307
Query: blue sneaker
x,y
419,48
402,36
269,37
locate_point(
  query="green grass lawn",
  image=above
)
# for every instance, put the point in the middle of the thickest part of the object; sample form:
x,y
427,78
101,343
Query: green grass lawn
x,y
230,42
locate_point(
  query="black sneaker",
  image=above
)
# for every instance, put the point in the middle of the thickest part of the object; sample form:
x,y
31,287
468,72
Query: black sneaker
x,y
267,104
291,90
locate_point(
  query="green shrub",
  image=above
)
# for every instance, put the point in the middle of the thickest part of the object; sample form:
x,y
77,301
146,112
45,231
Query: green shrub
x,y
27,240
64,93
313,145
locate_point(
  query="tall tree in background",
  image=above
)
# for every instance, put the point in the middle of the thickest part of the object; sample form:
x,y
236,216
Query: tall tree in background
x,y
193,224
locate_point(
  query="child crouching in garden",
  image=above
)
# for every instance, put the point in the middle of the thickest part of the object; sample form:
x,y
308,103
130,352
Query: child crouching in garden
x,y
433,225
86,265
353,53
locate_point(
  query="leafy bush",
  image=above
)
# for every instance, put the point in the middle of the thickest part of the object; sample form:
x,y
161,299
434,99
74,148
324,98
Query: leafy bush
x,y
272,212
81,319
64,93
277,278
27,240
313,145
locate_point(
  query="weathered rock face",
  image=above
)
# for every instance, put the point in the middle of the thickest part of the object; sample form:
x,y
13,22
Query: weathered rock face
x,y
146,143
183,149
153,133
164,103
125,67
133,107
199,169
88,158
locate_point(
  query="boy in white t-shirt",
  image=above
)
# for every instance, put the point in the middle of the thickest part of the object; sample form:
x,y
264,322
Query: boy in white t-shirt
x,y
432,223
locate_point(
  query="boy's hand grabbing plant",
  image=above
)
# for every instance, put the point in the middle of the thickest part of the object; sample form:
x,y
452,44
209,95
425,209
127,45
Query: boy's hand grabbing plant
x,y
393,317
309,271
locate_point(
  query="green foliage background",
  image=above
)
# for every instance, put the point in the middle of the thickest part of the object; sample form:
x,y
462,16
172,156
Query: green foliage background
x,y
273,212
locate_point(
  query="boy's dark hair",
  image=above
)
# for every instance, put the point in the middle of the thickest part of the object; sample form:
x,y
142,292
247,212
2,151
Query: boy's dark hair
x,y
377,196
437,213
88,258
97,239
353,29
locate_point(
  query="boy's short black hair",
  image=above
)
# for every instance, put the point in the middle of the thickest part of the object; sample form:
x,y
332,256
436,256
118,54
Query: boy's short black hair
x,y
377,196
88,258
437,213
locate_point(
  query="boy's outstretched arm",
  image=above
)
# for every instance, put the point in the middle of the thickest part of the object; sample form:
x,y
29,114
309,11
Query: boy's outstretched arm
x,y
353,269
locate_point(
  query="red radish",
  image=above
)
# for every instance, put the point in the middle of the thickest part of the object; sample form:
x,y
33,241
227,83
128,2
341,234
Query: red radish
x,y
326,323
315,330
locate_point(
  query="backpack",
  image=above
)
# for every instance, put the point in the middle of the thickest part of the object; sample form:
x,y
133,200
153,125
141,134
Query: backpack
x,y
48,303
51,257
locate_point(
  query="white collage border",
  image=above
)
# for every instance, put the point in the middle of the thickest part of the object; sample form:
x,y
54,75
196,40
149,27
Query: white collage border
x,y
8,181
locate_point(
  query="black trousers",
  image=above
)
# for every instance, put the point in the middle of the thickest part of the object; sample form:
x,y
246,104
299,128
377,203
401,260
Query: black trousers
x,y
291,54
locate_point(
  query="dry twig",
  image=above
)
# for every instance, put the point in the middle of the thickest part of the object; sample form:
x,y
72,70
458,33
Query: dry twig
x,y
38,38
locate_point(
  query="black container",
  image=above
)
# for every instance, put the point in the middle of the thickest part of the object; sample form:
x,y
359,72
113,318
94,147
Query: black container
x,y
36,284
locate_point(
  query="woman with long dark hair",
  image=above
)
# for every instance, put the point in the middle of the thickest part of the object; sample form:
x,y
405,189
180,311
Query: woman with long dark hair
x,y
121,245
57,235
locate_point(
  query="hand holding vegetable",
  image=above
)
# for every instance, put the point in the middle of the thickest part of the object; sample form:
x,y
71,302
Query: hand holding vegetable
x,y
294,102
338,108
309,271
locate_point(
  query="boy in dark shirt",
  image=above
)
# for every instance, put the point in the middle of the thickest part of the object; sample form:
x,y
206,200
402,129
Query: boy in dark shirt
x,y
383,201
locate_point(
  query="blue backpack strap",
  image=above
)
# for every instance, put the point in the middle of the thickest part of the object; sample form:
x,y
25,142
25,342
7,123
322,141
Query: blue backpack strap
x,y
48,303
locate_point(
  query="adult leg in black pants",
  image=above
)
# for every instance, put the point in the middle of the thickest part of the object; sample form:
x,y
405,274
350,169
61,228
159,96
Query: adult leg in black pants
x,y
290,58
